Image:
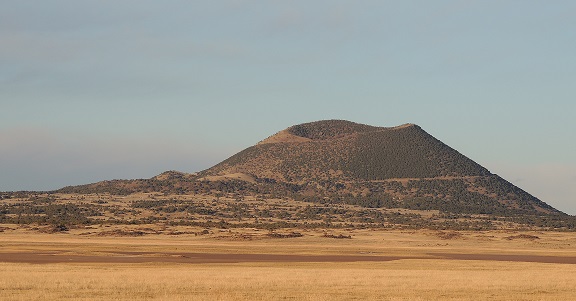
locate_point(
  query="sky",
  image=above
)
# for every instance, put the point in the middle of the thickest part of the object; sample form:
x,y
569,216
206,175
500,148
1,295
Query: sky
x,y
97,89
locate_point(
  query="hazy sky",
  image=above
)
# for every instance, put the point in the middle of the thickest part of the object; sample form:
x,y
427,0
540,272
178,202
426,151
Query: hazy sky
x,y
96,90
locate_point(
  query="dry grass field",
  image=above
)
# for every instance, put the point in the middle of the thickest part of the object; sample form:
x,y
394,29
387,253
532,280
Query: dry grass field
x,y
248,264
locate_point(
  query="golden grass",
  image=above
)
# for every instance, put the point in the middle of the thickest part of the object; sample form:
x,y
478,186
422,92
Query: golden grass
x,y
408,279
401,280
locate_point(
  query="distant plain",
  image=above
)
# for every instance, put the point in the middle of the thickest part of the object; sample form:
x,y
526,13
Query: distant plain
x,y
370,265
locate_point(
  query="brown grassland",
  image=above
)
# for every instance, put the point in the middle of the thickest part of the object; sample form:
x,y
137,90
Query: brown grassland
x,y
250,264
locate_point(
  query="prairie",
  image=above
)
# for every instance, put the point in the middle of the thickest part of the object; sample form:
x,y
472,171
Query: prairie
x,y
371,265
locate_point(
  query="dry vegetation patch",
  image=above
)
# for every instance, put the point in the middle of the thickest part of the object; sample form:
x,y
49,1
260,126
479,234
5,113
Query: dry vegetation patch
x,y
337,236
284,235
449,235
405,280
522,236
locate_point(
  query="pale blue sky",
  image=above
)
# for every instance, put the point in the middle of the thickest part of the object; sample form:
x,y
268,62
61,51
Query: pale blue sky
x,y
95,90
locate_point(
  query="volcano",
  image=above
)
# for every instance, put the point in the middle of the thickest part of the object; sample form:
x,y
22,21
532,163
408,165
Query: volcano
x,y
343,161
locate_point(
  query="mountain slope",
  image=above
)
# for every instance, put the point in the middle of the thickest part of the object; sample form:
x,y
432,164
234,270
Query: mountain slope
x,y
336,162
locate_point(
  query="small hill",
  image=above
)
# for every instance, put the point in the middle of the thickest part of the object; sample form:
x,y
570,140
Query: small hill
x,y
173,175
